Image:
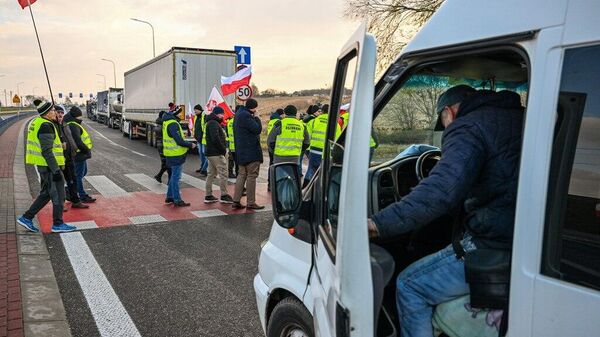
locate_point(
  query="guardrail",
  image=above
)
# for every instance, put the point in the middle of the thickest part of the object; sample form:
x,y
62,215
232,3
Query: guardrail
x,y
6,122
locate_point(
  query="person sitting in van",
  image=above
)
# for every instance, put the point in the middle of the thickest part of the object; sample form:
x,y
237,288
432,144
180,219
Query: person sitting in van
x,y
481,147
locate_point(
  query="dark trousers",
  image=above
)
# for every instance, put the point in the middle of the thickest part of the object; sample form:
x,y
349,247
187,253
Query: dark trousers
x,y
80,172
71,180
269,173
232,167
164,168
51,191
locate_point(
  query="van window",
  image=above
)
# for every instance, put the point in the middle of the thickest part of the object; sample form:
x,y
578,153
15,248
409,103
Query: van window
x,y
572,234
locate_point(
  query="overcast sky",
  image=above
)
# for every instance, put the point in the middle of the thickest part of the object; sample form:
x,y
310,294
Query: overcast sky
x,y
294,43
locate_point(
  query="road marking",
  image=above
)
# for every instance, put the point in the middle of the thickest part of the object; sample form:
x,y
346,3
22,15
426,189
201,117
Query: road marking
x,y
143,219
208,213
113,143
105,186
90,224
268,208
148,182
193,181
111,317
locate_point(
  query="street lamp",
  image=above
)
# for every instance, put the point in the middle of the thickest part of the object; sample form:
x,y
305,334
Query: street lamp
x,y
104,80
114,69
18,93
148,23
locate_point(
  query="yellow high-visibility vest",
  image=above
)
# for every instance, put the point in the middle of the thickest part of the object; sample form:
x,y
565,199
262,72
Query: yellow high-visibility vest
x,y
230,138
270,125
33,155
318,131
344,118
289,142
85,137
170,147
203,125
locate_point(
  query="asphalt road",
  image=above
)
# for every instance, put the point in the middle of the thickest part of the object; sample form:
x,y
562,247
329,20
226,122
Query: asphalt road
x,y
189,277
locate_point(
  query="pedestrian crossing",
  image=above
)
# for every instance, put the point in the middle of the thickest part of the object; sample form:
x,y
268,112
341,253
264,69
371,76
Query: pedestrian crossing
x,y
105,186
150,183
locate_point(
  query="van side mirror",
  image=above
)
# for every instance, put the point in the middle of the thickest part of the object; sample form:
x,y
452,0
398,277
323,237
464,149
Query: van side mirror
x,y
286,193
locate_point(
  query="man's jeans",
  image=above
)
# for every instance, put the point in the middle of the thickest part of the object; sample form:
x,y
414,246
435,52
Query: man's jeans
x,y
173,189
80,172
314,161
50,191
434,279
203,159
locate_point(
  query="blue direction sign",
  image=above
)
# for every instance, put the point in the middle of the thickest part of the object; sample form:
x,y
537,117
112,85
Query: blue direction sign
x,y
60,95
243,54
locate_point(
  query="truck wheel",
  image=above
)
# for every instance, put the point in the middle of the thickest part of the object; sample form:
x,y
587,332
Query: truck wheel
x,y
290,319
130,130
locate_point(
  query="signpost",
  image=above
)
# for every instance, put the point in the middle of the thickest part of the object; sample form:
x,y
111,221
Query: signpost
x,y
60,95
243,54
243,93
16,100
80,95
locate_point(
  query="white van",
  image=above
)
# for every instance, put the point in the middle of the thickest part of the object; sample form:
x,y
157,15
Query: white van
x,y
319,275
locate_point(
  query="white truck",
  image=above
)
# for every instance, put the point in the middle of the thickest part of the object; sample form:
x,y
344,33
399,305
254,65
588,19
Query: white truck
x,y
184,76
109,107
320,275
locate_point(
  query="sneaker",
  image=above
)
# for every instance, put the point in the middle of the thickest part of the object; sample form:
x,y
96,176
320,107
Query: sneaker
x,y
237,205
158,178
23,221
226,199
88,200
232,176
181,203
209,199
168,200
63,228
203,173
255,207
198,171
80,205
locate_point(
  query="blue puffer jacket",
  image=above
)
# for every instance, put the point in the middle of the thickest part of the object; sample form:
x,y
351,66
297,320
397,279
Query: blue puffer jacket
x,y
246,134
479,165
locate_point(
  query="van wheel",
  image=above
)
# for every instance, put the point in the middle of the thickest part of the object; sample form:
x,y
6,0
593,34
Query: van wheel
x,y
290,319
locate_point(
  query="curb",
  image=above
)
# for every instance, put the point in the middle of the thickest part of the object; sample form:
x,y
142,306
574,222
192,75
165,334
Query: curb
x,y
43,311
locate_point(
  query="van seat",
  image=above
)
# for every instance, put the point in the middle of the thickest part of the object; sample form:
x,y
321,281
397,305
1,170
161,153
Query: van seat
x,y
456,318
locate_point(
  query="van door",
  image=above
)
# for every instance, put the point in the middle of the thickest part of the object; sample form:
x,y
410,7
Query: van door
x,y
341,283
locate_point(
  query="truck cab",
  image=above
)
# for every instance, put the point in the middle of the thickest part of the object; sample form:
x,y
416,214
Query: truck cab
x,y
320,275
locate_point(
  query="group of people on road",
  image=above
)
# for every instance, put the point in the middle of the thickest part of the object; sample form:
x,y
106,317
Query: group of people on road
x,y
58,145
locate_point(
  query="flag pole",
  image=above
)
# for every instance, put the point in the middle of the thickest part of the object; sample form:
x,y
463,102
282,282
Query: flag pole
x,y
41,52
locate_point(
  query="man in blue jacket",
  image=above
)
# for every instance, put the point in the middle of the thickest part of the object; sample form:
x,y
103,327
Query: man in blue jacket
x,y
175,150
478,171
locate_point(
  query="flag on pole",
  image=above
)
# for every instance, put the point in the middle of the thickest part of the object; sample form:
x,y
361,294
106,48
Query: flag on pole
x,y
25,3
230,84
190,117
215,99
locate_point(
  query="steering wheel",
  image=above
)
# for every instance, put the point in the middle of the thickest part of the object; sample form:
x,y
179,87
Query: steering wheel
x,y
422,170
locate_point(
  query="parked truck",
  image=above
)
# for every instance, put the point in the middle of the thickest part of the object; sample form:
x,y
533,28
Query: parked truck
x,y
184,76
109,107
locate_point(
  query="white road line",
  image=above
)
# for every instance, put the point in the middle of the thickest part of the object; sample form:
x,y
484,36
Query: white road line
x,y
193,181
148,182
111,317
113,143
143,219
106,187
208,213
90,224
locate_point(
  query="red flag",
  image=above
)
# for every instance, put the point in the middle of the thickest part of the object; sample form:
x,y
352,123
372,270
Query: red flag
x,y
25,3
215,99
230,84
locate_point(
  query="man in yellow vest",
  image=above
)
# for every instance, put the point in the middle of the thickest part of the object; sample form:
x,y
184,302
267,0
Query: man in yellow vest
x,y
288,138
45,150
317,130
84,152
175,149
275,117
345,118
199,128
232,166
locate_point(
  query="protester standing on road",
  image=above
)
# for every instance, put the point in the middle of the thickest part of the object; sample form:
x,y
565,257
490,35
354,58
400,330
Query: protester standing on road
x,y
317,130
199,125
288,138
70,151
232,167
44,150
159,145
247,128
275,117
175,149
216,152
84,151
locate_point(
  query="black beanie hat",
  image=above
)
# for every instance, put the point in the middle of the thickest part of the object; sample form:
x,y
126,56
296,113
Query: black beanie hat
x,y
198,107
279,111
325,108
42,106
290,110
218,110
251,104
75,112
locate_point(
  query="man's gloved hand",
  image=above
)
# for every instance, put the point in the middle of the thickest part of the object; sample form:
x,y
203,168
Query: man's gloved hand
x,y
56,176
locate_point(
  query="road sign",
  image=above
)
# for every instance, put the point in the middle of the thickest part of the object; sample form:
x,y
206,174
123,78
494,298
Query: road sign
x,y
60,95
91,95
243,54
16,100
70,95
243,93
80,95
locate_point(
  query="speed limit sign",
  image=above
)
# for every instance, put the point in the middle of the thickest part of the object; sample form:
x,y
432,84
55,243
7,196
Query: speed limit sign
x,y
243,93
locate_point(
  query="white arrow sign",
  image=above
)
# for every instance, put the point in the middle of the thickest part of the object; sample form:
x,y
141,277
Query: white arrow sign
x,y
243,55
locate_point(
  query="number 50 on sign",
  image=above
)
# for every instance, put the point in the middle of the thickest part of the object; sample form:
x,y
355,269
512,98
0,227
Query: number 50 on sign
x,y
243,93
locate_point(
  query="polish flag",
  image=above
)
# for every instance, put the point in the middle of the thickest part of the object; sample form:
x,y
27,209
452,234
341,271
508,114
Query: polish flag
x,y
230,84
215,99
25,3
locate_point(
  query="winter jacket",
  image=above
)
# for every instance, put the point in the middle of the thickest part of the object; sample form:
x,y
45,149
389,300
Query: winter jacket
x,y
479,168
246,133
84,153
198,127
46,135
158,133
71,150
216,141
272,139
173,132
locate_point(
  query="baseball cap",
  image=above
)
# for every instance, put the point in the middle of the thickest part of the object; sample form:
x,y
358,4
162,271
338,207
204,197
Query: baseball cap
x,y
450,97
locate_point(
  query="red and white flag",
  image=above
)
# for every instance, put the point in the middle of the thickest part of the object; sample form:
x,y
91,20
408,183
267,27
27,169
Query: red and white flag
x,y
230,84
25,3
215,99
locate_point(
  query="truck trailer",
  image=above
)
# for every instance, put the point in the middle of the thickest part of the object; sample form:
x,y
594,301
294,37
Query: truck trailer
x,y
184,76
109,107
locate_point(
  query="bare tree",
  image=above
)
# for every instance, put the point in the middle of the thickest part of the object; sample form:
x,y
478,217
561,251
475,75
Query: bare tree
x,y
393,22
